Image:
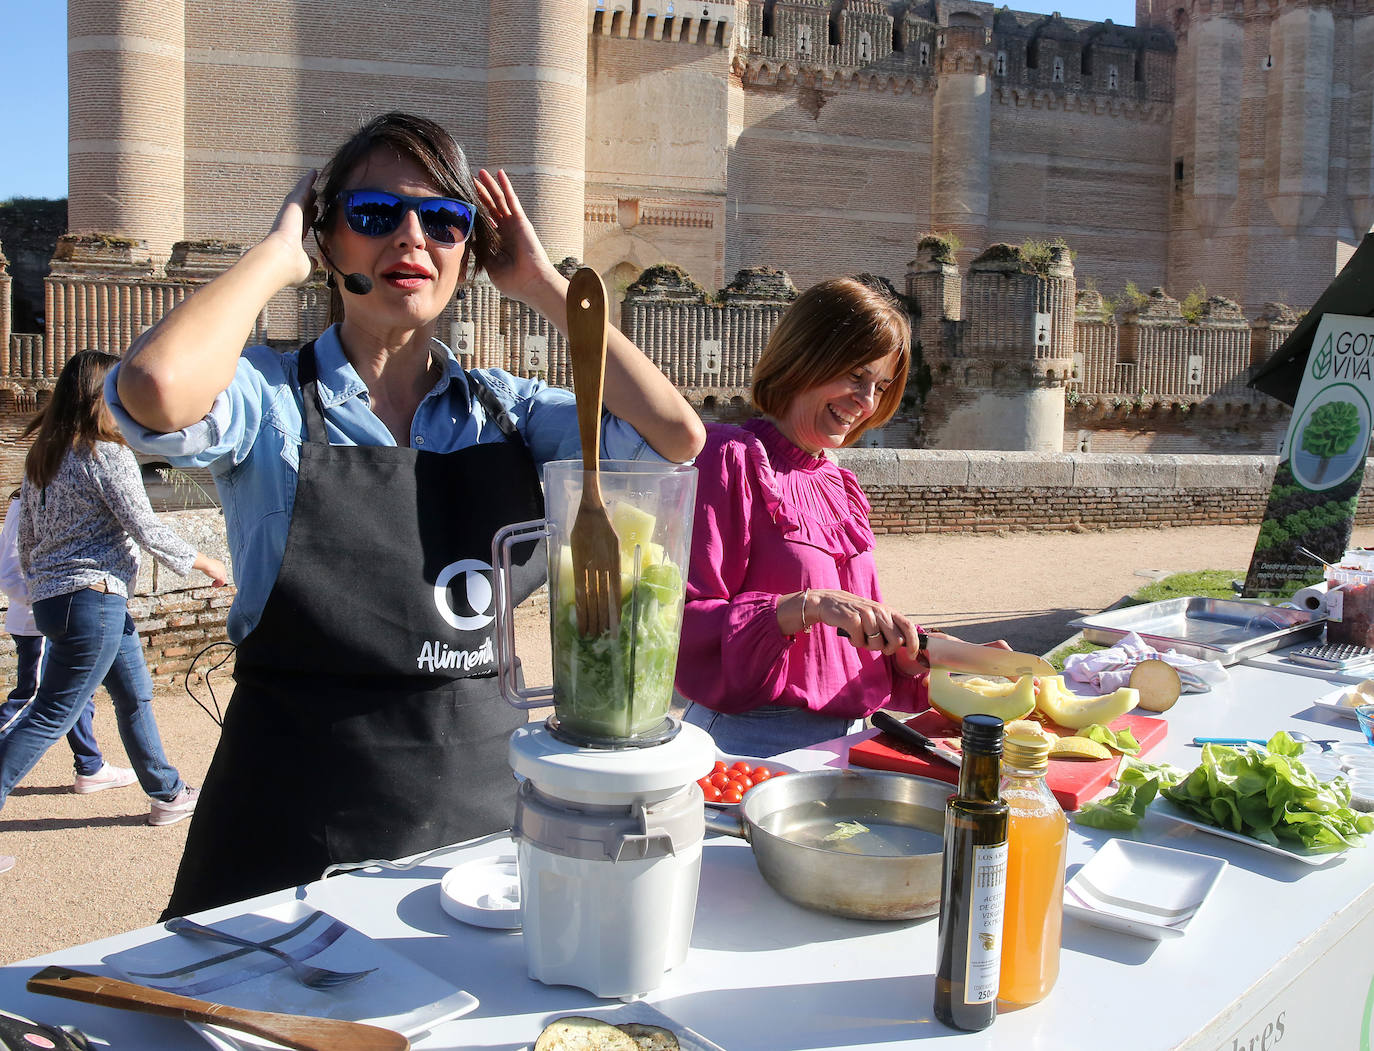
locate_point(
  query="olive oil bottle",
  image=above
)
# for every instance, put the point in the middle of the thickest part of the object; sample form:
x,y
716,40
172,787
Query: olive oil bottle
x,y
973,883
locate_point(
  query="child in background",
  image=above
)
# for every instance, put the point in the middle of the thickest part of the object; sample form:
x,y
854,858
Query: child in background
x,y
30,647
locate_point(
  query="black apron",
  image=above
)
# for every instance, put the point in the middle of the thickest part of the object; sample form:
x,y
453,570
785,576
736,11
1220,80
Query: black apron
x,y
367,720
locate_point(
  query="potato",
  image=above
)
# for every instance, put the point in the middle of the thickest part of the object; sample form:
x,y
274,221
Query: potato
x,y
580,1033
1158,684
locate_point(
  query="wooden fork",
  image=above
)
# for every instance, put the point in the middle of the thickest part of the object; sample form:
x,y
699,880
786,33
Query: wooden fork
x,y
595,546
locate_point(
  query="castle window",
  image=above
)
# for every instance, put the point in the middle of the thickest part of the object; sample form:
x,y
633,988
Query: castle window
x,y
1111,78
925,54
865,48
1058,75
1001,63
803,40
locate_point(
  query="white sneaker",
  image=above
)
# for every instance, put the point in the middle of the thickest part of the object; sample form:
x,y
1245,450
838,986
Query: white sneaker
x,y
106,777
173,810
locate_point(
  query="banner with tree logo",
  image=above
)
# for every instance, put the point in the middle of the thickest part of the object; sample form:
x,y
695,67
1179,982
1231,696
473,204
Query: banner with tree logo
x,y
1321,461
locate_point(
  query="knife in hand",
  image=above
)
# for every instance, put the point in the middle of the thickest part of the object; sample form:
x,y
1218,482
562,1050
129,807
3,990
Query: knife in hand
x,y
957,655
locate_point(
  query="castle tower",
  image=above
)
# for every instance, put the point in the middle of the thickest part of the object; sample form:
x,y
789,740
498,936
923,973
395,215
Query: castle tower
x,y
960,177
537,112
126,117
1273,182
1013,355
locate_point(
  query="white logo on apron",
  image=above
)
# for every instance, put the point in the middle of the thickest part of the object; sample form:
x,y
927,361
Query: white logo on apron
x,y
476,588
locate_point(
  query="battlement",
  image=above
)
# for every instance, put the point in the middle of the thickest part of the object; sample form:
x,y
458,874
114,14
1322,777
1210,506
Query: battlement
x,y
702,22
920,41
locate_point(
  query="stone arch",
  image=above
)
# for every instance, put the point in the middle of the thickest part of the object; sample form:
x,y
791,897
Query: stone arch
x,y
619,278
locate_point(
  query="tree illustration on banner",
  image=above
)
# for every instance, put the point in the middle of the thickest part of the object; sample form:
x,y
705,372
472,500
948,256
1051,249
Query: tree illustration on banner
x,y
1330,432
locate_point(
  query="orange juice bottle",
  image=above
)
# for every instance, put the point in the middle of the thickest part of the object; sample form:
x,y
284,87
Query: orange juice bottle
x,y
1037,839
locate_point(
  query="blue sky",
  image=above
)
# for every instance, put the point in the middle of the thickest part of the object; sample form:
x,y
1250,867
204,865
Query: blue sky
x,y
33,77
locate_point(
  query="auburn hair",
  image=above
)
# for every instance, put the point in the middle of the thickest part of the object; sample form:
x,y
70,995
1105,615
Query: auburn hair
x,y
75,417
438,156
829,330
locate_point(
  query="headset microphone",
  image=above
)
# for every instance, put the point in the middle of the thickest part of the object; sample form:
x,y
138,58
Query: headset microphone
x,y
358,284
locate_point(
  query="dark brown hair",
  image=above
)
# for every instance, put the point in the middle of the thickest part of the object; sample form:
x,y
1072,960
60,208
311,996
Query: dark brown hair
x,y
438,155
74,418
829,330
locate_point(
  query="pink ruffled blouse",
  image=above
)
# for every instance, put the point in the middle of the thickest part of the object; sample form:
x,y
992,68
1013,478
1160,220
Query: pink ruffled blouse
x,y
772,519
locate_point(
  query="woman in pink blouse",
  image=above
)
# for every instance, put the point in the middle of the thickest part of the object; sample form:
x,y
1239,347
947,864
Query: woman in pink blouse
x,y
782,552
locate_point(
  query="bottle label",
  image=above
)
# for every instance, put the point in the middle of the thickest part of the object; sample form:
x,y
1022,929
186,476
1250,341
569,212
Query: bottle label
x,y
987,897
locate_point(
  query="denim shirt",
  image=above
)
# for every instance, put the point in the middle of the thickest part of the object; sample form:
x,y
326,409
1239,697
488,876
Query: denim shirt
x,y
251,439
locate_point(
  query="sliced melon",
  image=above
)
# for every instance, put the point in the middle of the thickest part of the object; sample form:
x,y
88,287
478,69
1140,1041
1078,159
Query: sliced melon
x,y
632,525
1069,710
1078,748
954,700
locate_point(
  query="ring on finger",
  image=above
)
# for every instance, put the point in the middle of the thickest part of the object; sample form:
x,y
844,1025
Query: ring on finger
x,y
872,634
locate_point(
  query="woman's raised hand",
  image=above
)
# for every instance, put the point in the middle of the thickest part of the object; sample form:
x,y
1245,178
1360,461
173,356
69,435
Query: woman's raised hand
x,y
292,226
521,267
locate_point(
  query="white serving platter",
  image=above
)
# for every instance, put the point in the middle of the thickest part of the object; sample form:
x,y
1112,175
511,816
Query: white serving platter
x,y
1142,889
399,994
1167,809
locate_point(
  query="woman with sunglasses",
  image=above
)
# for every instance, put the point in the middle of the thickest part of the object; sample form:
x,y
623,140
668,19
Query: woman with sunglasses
x,y
782,550
363,478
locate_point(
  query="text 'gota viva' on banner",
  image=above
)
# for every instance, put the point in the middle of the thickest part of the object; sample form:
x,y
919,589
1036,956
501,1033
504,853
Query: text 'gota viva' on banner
x,y
1321,461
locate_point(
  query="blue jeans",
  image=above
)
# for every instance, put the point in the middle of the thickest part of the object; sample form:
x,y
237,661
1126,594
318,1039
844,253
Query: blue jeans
x,y
31,653
764,732
93,641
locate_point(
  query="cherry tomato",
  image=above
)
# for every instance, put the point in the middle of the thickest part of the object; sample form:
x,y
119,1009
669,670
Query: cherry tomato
x,y
711,792
762,774
704,783
744,783
731,795
720,765
742,767
721,779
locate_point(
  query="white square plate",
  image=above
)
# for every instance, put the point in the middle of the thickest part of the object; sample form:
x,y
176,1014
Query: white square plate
x,y
1142,889
399,994
643,1013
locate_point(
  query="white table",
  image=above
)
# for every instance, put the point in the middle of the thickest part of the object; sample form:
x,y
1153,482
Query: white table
x,y
1279,956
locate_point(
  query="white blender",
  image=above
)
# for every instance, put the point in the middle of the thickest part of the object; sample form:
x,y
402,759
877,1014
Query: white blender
x,y
609,820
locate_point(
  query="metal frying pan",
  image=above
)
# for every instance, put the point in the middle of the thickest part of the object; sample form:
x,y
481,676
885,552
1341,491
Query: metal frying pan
x,y
861,844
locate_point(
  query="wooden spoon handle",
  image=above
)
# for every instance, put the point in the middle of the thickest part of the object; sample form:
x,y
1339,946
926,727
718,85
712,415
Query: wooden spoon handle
x,y
587,351
302,1032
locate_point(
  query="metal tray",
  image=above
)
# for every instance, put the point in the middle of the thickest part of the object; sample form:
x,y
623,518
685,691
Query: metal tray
x,y
1222,630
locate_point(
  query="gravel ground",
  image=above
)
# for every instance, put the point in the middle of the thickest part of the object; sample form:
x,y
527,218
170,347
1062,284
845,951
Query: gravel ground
x,y
90,866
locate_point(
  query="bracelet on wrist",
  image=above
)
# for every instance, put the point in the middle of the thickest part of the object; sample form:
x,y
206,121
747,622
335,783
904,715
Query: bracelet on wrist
x,y
805,628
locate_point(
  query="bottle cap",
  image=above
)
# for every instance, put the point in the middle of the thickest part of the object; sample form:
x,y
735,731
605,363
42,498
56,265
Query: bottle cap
x,y
1026,750
982,733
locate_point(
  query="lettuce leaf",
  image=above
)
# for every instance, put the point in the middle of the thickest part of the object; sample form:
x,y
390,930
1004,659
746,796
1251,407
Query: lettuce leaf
x,y
1138,784
1118,740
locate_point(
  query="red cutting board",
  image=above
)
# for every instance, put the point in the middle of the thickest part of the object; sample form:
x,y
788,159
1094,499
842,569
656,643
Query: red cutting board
x,y
1073,781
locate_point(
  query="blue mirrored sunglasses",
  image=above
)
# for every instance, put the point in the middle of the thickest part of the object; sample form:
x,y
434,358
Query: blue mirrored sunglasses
x,y
376,213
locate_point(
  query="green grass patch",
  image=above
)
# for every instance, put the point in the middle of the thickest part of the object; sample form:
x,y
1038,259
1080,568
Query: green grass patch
x,y
1207,583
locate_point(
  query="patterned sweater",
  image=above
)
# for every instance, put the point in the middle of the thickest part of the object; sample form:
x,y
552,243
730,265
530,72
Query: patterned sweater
x,y
86,525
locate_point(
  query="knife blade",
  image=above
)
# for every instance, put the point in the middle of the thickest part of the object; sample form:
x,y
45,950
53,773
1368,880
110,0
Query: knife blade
x,y
957,655
890,724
